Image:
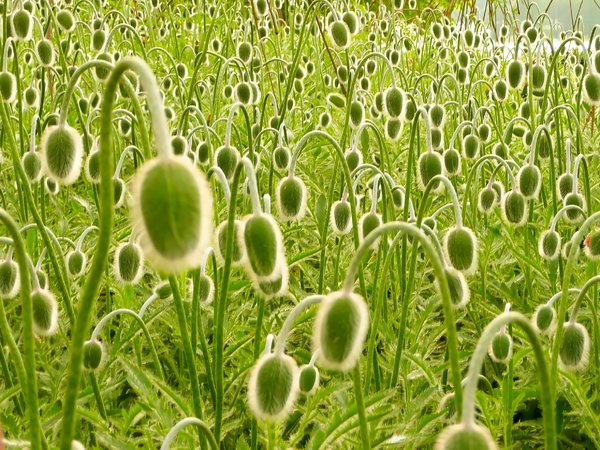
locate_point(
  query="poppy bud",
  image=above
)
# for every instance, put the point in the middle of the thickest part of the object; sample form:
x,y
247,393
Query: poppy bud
x,y
462,437
226,158
93,354
206,288
340,217
529,181
459,289
291,198
357,114
514,208
340,330
393,127
309,379
575,347
282,157
549,245
367,223
501,348
9,279
515,74
274,286
220,247
339,34
45,313
263,245
65,20
61,152
460,246
92,167
351,21
452,161
592,245
591,89
32,165
21,25
128,264
564,185
394,102
544,319
437,115
470,146
273,387
429,165
172,210
487,199
500,90
573,215
76,262
8,87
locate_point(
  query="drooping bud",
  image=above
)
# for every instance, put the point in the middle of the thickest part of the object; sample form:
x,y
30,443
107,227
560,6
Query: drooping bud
x,y
452,161
501,348
462,437
487,199
340,330
367,223
119,189
75,262
544,319
9,279
394,103
93,354
206,288
340,217
339,34
163,290
353,158
459,289
437,115
61,151
470,145
291,198
172,211
564,185
8,87
45,313
309,379
273,387
128,266
515,74
460,247
591,89
21,24
32,165
575,347
529,181
514,208
220,248
263,243
549,245
429,165
274,286
282,157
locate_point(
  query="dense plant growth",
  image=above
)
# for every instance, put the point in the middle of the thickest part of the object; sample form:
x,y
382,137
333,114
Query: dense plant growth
x,y
297,224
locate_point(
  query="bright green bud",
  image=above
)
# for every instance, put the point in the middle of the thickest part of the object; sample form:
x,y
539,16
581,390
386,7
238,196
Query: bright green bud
x,y
163,290
273,387
65,20
9,279
465,437
128,266
8,87
501,349
263,243
564,185
339,34
309,379
429,165
92,167
459,289
21,25
487,199
206,288
515,74
367,223
573,215
470,145
575,347
32,165
549,245
514,208
544,319
341,217
61,151
529,181
353,158
357,114
340,330
394,103
76,262
351,21
291,198
172,211
500,90
460,247
452,161
226,158
93,354
281,157
393,128
591,89
45,313
239,253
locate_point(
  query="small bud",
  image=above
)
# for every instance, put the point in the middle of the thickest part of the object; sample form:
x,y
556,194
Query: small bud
x,y
243,93
514,208
61,153
128,266
21,25
463,437
573,215
460,293
470,145
220,248
206,287
591,89
394,103
263,243
357,114
549,245
575,347
592,245
515,74
244,51
452,161
8,87
538,74
529,181
163,290
340,330
487,199
367,223
353,158
45,313
564,185
171,208
291,198
119,189
274,286
9,279
460,246
340,217
51,186
544,319
92,167
65,20
282,157
393,128
76,262
32,165
501,349
226,158
429,165
309,379
273,387
500,90
339,34
93,354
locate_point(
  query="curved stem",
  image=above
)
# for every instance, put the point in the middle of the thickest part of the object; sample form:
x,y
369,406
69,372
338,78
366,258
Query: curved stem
x,y
170,437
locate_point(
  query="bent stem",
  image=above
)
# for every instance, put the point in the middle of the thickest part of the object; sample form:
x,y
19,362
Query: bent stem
x,y
202,427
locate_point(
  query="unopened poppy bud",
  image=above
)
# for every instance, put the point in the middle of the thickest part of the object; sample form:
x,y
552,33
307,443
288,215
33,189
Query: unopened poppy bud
x,y
263,244
76,262
45,313
592,245
544,319
470,145
206,288
549,245
172,210
487,199
501,348
529,181
459,289
564,185
574,215
339,34
244,51
8,87
128,266
367,223
500,90
575,347
538,76
394,102
65,20
119,189
309,379
32,165
61,153
163,290
274,286
393,127
9,279
226,158
273,387
220,247
351,21
340,217
460,246
281,157
591,89
514,208
93,354
340,330
243,93
462,437
21,25
452,161
357,114
92,167
515,74
429,165
291,198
